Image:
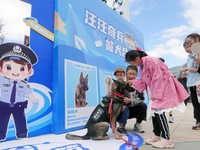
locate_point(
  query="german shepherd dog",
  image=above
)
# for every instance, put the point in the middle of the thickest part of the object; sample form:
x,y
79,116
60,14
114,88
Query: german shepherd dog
x,y
98,122
80,92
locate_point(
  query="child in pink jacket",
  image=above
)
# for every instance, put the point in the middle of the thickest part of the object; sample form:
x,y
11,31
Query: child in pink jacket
x,y
167,94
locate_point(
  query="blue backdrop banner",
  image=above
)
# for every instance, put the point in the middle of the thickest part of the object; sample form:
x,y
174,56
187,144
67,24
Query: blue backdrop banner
x,y
91,41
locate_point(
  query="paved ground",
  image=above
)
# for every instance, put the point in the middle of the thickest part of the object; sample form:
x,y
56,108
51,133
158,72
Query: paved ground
x,y
181,131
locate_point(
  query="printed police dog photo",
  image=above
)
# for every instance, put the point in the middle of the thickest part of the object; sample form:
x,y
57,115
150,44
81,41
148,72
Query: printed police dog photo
x,y
81,89
104,114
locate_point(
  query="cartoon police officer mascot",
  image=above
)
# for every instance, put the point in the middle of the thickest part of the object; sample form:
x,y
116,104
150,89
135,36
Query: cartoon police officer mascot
x,y
16,61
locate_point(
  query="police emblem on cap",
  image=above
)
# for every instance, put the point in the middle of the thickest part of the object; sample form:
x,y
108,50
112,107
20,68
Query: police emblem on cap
x,y
16,51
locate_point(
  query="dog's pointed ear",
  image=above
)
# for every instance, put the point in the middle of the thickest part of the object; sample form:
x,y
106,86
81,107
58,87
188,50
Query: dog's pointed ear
x,y
86,77
81,75
113,80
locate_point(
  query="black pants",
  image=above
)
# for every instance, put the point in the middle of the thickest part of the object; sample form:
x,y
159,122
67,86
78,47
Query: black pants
x,y
19,119
139,112
160,126
186,101
195,103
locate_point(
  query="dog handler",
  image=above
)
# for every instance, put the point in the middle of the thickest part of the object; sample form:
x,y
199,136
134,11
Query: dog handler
x,y
136,108
167,94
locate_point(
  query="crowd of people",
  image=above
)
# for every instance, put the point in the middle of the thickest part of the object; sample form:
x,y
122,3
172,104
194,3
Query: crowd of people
x,y
165,92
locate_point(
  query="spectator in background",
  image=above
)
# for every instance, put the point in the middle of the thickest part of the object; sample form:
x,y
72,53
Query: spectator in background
x,y
191,71
183,80
119,74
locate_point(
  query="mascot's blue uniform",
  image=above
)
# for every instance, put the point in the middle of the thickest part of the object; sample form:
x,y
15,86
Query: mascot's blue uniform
x,y
12,97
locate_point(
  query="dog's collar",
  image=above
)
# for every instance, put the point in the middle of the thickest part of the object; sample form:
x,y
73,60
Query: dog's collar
x,y
118,94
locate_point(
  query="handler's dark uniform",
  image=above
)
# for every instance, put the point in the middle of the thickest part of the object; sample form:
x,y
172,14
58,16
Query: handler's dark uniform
x,y
100,113
12,97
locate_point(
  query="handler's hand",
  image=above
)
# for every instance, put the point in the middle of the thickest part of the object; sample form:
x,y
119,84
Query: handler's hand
x,y
136,101
118,136
127,100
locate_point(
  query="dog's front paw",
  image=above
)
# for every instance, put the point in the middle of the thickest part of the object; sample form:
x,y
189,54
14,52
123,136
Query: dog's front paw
x,y
105,137
118,136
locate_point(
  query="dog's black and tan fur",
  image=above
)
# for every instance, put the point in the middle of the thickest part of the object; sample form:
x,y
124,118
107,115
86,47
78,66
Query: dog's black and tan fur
x,y
98,122
81,89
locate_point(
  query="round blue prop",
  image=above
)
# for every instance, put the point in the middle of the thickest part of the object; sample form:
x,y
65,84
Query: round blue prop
x,y
134,138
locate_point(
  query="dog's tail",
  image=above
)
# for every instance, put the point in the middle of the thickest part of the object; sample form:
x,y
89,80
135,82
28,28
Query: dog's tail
x,y
77,137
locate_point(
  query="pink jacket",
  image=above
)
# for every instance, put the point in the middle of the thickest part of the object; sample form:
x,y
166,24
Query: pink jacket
x,y
166,90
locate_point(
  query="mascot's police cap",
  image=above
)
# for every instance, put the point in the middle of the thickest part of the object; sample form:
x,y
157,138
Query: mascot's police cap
x,y
16,51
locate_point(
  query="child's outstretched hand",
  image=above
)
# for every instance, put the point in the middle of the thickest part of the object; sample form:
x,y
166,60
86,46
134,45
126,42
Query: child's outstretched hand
x,y
129,82
152,98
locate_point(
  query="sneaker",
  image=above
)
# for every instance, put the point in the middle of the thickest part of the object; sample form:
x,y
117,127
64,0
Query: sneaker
x,y
196,127
152,140
171,119
163,143
138,128
121,130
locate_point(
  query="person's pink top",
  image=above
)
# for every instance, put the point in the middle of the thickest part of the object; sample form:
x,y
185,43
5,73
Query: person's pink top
x,y
166,90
